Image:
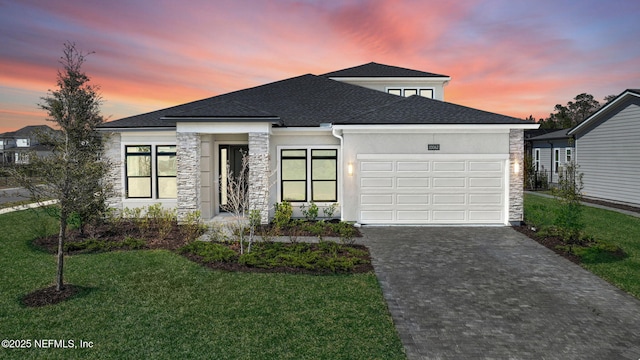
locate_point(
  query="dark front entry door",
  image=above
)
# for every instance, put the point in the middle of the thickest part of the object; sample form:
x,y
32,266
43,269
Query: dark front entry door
x,y
231,155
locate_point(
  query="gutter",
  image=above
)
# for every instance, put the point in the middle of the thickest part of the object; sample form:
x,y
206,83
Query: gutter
x,y
334,132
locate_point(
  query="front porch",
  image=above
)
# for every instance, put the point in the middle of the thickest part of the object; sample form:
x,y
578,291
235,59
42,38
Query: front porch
x,y
203,152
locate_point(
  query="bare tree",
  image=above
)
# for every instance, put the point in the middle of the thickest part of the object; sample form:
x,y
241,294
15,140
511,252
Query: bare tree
x,y
237,197
74,174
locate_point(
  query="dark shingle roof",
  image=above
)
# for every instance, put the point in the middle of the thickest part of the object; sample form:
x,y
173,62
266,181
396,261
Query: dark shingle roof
x,y
373,69
559,134
421,110
311,100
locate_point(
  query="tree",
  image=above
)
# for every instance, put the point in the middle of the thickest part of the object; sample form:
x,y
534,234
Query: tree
x,y
74,174
572,114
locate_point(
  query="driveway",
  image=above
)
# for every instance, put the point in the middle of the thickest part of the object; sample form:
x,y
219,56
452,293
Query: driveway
x,y
492,293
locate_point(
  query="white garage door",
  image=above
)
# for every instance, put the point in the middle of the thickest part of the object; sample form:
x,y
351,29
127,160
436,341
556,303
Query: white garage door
x,y
421,189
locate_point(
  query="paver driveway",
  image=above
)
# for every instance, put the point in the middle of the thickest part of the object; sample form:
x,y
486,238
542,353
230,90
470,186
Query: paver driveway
x,y
492,293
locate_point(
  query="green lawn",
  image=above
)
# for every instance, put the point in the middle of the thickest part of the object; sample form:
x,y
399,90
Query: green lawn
x,y
609,226
156,304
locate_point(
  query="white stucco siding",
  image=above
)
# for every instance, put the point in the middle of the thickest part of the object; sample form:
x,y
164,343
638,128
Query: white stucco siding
x,y
609,155
303,139
384,85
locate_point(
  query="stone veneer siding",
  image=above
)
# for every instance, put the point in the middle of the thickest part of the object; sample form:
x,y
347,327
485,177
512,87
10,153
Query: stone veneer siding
x,y
188,173
113,152
516,181
259,174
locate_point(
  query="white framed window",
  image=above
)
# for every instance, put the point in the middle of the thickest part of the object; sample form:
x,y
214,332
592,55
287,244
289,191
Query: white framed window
x,y
409,91
536,159
23,142
308,174
568,155
556,160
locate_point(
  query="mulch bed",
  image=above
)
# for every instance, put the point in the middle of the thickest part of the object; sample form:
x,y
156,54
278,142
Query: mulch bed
x,y
50,296
551,242
234,266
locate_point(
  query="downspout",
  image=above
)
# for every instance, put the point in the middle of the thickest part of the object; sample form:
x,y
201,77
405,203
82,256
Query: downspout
x,y
551,168
340,171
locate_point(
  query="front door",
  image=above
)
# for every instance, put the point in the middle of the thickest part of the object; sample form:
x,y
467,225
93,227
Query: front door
x,y
231,156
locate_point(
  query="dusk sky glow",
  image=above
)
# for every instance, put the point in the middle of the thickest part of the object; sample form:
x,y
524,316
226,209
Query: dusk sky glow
x,y
510,57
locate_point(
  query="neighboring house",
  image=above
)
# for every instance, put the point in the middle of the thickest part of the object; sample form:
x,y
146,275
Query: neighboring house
x,y
345,137
550,153
16,146
608,150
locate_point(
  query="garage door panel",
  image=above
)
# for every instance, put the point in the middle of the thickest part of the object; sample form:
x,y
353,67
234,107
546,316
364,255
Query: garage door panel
x,y
410,199
368,166
485,216
436,191
486,166
449,199
412,216
377,183
413,166
485,199
377,216
449,215
488,182
376,199
448,182
416,182
448,166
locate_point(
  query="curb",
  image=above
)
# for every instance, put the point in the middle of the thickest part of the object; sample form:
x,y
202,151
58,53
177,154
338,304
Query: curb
x,y
27,206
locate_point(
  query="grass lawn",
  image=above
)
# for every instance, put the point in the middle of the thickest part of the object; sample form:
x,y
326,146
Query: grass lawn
x,y
609,226
157,304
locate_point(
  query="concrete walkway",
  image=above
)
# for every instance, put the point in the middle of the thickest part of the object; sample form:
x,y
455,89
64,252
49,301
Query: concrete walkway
x,y
493,293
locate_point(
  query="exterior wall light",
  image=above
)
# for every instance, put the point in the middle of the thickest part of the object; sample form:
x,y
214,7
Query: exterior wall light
x,y
350,169
516,168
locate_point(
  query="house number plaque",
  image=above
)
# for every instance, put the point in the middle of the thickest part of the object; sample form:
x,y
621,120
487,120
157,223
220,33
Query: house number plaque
x,y
433,147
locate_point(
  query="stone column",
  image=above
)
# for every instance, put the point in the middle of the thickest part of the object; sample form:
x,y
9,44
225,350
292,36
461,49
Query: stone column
x,y
188,173
516,181
113,154
259,174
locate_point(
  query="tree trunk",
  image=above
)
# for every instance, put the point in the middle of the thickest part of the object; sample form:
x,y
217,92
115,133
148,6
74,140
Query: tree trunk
x,y
61,237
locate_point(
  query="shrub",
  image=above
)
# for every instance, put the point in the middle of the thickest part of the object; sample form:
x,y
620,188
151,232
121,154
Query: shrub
x,y
210,252
311,213
330,210
569,219
283,213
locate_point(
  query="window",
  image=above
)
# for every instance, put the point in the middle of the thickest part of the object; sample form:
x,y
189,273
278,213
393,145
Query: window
x,y
406,92
556,160
309,171
294,175
536,159
568,154
138,170
166,172
23,142
324,175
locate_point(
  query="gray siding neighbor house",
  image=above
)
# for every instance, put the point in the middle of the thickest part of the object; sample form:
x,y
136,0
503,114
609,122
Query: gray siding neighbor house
x,y
16,146
377,140
608,150
550,153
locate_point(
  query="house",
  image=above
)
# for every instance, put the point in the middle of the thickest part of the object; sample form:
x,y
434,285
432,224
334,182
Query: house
x,y
378,140
550,153
608,150
16,146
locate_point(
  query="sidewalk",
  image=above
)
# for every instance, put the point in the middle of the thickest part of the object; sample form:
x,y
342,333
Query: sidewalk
x,y
27,206
626,212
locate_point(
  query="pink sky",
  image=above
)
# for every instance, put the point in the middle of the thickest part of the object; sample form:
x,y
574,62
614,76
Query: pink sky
x,y
511,57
